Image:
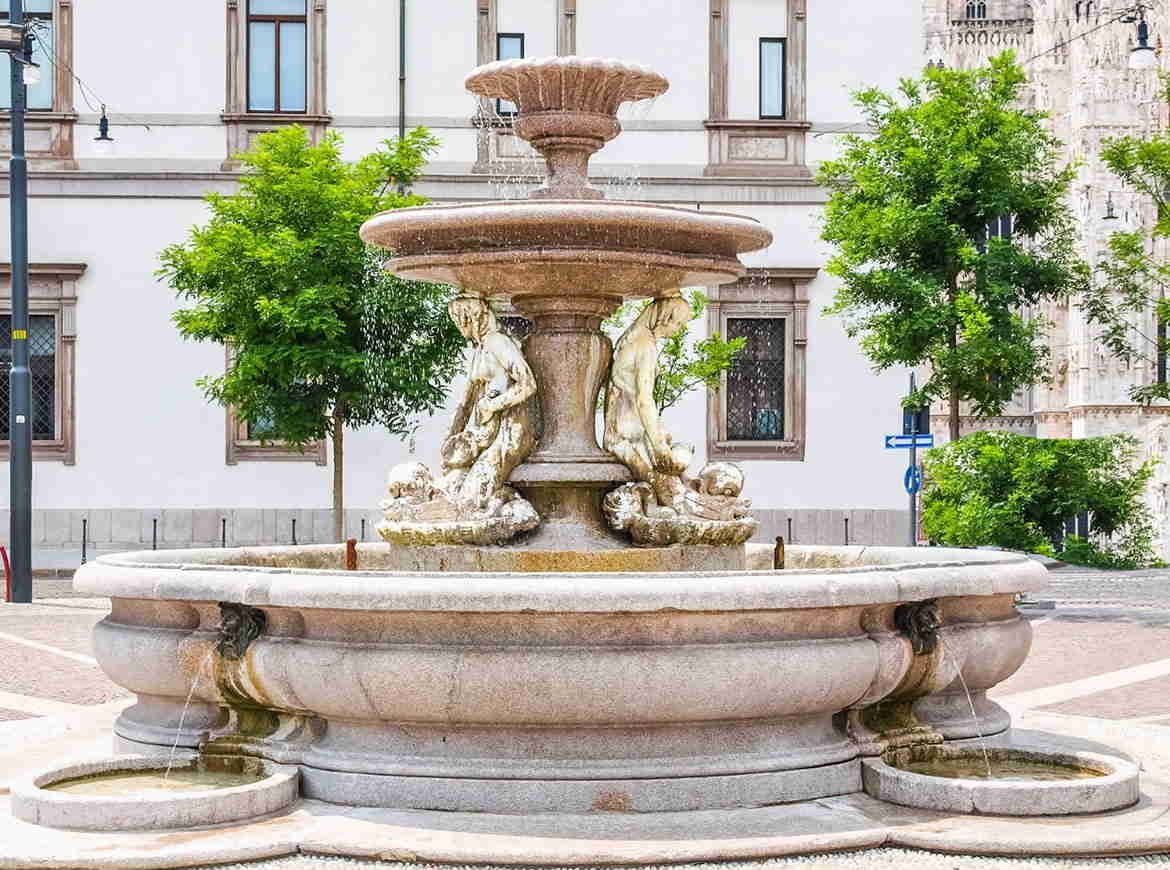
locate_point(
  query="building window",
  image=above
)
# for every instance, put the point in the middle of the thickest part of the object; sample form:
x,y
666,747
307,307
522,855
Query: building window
x,y
251,441
758,412
1162,349
52,333
976,9
277,56
42,351
509,46
38,14
276,70
755,383
772,78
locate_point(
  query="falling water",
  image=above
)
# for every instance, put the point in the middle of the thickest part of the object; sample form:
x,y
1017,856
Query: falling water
x,y
183,715
974,715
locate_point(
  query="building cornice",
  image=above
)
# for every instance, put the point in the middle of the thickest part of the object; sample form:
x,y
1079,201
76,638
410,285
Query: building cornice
x,y
440,187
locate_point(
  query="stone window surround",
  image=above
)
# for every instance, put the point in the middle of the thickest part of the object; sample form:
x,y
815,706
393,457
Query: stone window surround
x,y
496,145
49,133
240,124
240,448
771,293
751,146
52,289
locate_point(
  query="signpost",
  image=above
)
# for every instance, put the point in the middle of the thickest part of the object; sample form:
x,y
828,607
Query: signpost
x,y
914,420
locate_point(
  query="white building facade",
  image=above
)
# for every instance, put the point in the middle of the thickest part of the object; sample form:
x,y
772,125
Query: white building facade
x,y
760,93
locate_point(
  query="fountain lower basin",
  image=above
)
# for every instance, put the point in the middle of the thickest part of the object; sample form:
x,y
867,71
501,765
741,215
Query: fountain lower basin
x,y
136,792
1023,782
549,690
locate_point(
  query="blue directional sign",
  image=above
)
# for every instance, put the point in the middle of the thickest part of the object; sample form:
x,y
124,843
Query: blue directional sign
x,y
913,479
905,442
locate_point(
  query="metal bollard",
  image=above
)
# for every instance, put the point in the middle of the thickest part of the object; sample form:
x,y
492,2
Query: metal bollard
x,y
223,532
154,534
294,531
846,531
363,528
790,529
84,537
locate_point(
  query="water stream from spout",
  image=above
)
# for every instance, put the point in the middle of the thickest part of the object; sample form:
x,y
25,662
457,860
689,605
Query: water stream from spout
x,y
974,715
183,715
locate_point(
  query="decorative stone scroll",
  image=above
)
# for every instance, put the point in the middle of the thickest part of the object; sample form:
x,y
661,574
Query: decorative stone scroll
x,y
664,506
493,430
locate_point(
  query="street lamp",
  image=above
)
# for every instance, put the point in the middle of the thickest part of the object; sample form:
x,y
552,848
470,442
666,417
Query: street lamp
x,y
1142,55
16,40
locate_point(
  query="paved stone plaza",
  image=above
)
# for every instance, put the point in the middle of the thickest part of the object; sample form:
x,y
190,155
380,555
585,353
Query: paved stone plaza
x,y
1101,650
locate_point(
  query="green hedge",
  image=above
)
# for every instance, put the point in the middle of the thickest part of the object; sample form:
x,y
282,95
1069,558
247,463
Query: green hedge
x,y
1013,491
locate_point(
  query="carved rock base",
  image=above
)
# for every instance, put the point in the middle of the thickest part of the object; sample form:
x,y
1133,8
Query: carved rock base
x,y
515,517
626,511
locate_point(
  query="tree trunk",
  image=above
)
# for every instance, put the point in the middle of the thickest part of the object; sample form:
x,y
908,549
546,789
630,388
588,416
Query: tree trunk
x,y
338,473
954,402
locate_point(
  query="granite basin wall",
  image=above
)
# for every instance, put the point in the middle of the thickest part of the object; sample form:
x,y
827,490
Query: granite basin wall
x,y
532,691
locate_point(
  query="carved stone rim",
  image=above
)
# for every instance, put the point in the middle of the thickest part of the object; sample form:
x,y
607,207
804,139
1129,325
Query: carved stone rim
x,y
891,575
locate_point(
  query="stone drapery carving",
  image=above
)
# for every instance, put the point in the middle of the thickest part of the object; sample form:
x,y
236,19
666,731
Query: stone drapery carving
x,y
664,505
493,430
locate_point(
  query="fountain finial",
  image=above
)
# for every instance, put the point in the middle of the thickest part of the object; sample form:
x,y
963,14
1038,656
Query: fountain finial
x,y
566,107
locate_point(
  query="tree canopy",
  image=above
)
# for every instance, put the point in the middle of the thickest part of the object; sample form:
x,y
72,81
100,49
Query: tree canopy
x,y
322,337
925,281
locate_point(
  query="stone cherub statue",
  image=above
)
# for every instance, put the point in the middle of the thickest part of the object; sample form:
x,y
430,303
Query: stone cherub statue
x,y
493,430
664,505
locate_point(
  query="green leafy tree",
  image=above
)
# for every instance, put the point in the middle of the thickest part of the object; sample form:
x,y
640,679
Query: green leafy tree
x,y
322,337
1128,302
909,211
1013,491
683,364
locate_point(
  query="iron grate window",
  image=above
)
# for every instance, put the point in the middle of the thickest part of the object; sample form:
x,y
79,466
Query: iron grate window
x,y
755,381
42,346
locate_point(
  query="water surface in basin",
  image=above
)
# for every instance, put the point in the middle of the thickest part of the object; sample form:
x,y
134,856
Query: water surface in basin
x,y
1004,769
147,783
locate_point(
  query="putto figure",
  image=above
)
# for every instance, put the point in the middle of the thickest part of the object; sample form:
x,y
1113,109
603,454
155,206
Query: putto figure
x,y
493,430
664,506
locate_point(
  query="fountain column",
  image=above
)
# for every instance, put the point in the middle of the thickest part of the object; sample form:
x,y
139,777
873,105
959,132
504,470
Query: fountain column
x,y
569,473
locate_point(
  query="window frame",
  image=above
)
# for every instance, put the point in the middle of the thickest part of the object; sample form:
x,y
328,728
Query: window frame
x,y
239,447
783,42
277,20
53,291
523,50
772,294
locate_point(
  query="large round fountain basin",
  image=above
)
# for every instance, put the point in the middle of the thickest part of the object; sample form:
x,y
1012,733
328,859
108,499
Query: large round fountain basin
x,y
545,690
593,247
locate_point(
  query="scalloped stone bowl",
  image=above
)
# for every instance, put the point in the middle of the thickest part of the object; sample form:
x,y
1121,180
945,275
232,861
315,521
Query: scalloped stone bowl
x,y
489,680
552,84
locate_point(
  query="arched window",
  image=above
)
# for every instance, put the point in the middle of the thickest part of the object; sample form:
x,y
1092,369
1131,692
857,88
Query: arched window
x,y
970,8
981,9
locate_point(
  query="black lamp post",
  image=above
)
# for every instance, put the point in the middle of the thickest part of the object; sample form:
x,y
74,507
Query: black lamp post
x,y
17,41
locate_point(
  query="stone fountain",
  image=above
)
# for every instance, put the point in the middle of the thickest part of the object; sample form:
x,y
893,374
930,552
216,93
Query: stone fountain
x,y
558,626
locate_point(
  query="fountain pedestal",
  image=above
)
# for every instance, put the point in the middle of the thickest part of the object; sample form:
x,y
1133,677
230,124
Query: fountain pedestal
x,y
568,474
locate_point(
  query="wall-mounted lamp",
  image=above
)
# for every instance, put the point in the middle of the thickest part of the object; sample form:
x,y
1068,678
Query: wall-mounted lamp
x,y
1110,214
103,128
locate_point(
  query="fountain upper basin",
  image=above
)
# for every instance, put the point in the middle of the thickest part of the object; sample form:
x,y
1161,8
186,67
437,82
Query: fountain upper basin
x,y
591,247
